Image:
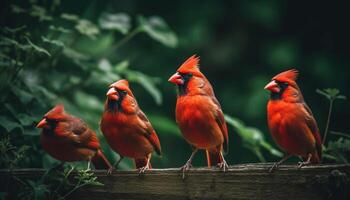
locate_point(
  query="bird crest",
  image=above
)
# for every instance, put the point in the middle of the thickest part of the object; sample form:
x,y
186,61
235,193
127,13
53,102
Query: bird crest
x,y
286,76
56,112
121,84
190,64
59,108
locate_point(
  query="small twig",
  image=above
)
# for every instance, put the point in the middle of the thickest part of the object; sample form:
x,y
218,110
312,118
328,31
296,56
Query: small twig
x,y
328,121
340,134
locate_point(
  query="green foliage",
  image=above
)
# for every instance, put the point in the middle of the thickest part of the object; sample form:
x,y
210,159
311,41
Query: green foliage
x,y
57,184
157,29
338,150
10,155
120,22
252,138
48,63
331,93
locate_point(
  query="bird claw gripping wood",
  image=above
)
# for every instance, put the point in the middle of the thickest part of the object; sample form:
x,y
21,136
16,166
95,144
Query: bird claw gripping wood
x,y
110,170
185,168
223,166
274,167
302,164
142,170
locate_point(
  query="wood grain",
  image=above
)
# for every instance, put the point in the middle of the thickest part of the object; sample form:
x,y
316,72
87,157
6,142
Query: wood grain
x,y
246,181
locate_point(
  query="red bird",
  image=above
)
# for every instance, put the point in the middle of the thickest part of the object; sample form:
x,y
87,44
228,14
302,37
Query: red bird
x,y
290,120
199,114
68,139
127,128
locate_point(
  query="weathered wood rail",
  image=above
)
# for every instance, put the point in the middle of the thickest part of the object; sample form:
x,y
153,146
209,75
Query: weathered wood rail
x,y
245,181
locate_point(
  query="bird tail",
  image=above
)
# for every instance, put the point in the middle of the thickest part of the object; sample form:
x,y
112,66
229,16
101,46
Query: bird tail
x,y
141,162
100,161
213,158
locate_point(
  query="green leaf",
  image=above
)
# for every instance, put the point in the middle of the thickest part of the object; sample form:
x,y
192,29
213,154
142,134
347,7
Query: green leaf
x,y
14,30
54,42
59,29
88,101
87,28
122,66
323,93
164,125
75,55
23,95
40,12
158,30
146,82
118,22
8,124
338,150
25,119
341,97
8,41
331,93
70,17
106,74
16,9
37,48
253,138
105,65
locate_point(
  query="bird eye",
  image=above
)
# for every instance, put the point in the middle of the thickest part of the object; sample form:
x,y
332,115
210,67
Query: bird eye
x,y
124,92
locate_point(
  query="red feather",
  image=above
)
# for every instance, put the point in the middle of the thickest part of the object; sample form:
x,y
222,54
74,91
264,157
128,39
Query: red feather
x,y
68,138
199,114
291,121
126,128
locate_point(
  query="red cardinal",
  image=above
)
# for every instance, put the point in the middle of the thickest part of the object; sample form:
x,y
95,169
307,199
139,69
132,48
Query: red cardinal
x,y
127,128
68,139
290,120
199,114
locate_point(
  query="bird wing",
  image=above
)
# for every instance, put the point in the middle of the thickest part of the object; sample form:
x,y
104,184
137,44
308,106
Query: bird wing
x,y
311,123
220,120
148,131
78,133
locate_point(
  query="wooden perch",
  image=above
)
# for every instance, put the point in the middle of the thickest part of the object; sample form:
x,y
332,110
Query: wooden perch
x,y
245,181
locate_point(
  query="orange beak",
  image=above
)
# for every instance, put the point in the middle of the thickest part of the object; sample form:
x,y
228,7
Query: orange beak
x,y
273,87
112,94
176,79
42,123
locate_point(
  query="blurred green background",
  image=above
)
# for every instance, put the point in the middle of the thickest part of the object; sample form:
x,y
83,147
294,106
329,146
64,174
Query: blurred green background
x,y
70,51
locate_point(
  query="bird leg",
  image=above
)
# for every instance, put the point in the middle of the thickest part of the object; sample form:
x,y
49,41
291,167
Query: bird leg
x,y
304,163
188,164
88,165
114,166
223,164
146,167
277,164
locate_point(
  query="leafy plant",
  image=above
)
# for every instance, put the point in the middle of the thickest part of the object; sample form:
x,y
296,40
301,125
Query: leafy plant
x,y
48,62
338,150
331,94
55,184
252,138
10,155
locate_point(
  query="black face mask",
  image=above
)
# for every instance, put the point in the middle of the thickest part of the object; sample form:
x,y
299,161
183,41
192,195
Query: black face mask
x,y
116,105
278,95
183,87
